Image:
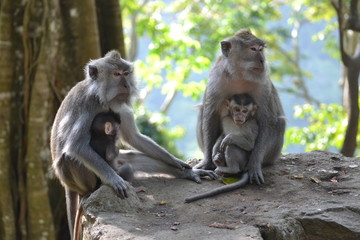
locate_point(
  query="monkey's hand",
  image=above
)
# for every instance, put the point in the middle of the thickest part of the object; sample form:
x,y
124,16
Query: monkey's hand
x,y
225,142
255,173
119,186
205,165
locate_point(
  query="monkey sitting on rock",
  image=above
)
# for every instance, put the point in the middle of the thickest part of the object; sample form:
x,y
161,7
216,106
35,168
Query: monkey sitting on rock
x,y
241,68
232,149
109,86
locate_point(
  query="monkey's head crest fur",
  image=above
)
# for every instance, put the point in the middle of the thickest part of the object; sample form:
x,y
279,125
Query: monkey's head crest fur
x,y
245,34
113,54
248,36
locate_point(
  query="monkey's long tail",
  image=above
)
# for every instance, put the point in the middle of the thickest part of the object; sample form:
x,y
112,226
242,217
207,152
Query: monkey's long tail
x,y
227,188
77,222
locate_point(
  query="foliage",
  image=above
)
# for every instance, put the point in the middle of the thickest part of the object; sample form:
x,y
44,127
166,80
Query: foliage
x,y
183,38
325,131
154,125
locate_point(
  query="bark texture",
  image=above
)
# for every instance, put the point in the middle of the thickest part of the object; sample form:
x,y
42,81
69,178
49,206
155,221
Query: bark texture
x,y
44,46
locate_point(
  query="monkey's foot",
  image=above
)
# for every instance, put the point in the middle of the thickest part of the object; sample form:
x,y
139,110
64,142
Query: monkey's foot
x,y
219,159
256,174
205,164
140,189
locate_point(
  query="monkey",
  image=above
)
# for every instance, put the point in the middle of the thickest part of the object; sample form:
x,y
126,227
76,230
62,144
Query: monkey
x,y
109,85
240,130
232,149
242,68
105,131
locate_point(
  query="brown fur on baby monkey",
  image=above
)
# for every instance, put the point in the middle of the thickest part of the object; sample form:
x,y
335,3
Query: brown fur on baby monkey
x,y
240,130
105,131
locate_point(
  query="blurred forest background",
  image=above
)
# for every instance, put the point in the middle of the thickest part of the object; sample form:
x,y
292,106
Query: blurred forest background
x,y
313,49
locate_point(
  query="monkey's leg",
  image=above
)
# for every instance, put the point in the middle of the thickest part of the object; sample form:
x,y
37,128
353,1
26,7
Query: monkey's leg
x,y
236,160
143,163
126,172
275,146
77,180
218,156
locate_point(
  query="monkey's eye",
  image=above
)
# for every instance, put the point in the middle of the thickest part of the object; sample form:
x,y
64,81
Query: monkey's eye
x,y
253,49
117,73
244,111
126,73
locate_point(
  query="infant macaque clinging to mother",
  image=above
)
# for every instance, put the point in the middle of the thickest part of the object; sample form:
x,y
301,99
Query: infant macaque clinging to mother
x,y
239,131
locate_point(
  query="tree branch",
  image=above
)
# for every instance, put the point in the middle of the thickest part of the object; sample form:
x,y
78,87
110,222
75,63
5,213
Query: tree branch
x,y
338,8
353,22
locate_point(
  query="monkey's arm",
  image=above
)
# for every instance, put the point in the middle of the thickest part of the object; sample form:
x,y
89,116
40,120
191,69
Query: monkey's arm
x,y
97,165
269,141
77,146
210,128
216,147
131,135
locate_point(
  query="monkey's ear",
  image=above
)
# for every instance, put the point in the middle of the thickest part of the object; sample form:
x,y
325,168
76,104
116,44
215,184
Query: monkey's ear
x,y
255,107
93,72
227,104
108,128
225,47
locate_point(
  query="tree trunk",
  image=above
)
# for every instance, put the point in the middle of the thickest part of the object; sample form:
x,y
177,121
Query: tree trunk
x,y
44,46
349,145
110,26
7,181
352,62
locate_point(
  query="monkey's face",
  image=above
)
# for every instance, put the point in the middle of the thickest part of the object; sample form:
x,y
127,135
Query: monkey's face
x,y
240,113
256,58
118,86
245,51
113,78
112,129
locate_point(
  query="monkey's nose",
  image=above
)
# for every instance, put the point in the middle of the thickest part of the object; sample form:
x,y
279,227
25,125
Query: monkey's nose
x,y
124,83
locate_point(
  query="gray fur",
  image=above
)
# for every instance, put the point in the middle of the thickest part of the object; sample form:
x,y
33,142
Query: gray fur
x,y
109,85
234,75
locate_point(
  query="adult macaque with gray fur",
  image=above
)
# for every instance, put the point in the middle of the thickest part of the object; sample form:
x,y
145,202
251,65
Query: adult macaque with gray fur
x,y
242,69
109,86
232,149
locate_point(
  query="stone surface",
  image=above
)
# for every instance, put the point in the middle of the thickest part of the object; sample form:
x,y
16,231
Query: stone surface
x,y
306,196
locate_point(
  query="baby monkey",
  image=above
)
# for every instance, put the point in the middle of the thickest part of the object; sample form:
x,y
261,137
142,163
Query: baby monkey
x,y
232,149
240,129
105,131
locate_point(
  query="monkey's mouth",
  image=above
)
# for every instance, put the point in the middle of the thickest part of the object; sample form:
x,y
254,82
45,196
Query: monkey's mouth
x,y
258,69
239,122
122,96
